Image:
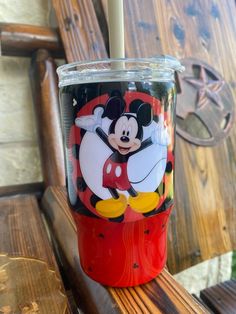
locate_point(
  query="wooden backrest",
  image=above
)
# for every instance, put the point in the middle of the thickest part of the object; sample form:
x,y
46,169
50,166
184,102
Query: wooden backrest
x,y
202,223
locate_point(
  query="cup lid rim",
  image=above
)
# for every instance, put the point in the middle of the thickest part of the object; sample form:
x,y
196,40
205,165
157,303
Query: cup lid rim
x,y
161,61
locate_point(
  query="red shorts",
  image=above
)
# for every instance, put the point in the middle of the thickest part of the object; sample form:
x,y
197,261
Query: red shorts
x,y
115,175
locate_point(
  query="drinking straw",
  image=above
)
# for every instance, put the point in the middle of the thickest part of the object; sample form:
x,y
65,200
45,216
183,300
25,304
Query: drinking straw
x,y
116,28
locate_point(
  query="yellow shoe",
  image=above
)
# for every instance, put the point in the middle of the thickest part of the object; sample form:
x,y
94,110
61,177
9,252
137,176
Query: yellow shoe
x,y
144,202
112,208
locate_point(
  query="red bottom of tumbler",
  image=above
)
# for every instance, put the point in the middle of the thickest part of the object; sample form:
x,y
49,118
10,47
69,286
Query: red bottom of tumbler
x,y
122,254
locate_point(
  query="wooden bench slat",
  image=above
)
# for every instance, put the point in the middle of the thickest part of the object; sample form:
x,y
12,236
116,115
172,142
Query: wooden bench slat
x,y
23,40
80,32
25,246
162,295
221,299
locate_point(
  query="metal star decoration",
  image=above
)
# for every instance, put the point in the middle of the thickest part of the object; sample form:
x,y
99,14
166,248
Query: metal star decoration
x,y
207,89
205,111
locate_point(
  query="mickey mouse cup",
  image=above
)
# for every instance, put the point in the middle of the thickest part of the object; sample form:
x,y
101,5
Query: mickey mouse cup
x,y
118,121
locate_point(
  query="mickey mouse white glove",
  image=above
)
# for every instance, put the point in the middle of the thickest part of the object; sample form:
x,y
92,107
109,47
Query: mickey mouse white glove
x,y
92,122
160,134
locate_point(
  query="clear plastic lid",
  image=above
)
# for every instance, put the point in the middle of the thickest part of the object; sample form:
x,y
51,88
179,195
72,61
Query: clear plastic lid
x,y
160,68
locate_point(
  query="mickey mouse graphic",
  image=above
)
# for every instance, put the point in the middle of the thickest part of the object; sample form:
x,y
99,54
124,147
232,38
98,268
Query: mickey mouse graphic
x,y
124,139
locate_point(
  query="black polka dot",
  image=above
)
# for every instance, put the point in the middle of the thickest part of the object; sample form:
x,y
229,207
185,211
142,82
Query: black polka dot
x,y
82,132
135,265
75,203
101,235
81,209
169,167
156,118
94,199
75,151
147,231
81,184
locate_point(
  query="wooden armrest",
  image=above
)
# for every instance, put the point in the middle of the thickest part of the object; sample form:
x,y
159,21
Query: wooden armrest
x,y
29,278
162,295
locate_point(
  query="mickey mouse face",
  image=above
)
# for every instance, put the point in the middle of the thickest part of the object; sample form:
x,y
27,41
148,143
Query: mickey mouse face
x,y
126,129
123,135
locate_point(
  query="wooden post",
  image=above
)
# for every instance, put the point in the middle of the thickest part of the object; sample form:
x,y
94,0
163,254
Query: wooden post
x,y
45,94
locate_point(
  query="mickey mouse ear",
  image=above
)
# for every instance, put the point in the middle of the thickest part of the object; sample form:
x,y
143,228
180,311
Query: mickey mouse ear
x,y
143,111
114,107
134,105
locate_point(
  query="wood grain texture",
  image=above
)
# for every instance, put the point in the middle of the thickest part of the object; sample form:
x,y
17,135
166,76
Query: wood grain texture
x,y
201,226
162,295
23,40
45,94
205,195
221,299
142,38
80,33
23,235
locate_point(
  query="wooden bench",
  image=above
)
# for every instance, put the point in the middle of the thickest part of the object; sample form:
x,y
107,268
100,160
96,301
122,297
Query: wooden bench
x,y
207,173
30,281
